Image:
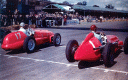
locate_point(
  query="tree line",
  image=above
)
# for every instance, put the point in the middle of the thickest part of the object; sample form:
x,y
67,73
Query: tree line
x,y
84,3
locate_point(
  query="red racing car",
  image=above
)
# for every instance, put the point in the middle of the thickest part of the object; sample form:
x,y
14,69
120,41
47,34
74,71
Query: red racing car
x,y
18,40
91,49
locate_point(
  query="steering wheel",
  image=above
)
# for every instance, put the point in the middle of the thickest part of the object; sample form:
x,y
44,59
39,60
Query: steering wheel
x,y
103,37
30,31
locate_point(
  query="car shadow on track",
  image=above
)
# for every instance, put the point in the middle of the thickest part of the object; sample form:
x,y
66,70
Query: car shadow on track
x,y
117,53
15,51
37,49
85,64
46,45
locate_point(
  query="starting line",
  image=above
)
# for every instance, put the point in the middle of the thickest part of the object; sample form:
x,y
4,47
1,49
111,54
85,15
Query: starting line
x,y
68,65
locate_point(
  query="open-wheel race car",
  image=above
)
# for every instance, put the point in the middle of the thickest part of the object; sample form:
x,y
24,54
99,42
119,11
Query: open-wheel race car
x,y
91,49
19,40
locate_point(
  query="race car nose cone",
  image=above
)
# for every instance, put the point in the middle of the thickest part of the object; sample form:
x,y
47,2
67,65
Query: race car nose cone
x,y
82,54
79,56
85,52
87,55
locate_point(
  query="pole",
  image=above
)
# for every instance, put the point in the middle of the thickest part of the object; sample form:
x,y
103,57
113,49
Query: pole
x,y
0,14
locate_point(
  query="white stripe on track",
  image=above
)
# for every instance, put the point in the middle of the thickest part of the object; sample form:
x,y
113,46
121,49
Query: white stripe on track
x,y
68,65
62,46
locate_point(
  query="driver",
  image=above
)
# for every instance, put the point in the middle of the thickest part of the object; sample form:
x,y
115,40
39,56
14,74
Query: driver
x,y
28,32
99,35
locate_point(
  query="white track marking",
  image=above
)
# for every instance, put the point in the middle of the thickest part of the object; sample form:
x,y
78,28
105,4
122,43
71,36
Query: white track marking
x,y
92,44
62,46
68,65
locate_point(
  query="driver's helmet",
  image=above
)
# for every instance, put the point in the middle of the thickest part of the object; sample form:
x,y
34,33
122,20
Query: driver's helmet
x,y
93,27
22,24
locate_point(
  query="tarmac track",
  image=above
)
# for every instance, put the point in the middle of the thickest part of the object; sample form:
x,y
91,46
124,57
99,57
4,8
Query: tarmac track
x,y
49,62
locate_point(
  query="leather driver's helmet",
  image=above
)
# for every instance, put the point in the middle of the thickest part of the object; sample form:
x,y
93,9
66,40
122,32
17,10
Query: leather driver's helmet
x,y
93,27
22,24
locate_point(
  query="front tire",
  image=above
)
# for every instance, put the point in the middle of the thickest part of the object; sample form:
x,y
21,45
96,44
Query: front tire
x,y
29,44
108,57
70,50
126,46
57,39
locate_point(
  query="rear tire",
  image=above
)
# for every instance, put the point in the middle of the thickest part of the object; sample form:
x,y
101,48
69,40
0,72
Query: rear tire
x,y
126,46
108,57
29,44
57,39
70,50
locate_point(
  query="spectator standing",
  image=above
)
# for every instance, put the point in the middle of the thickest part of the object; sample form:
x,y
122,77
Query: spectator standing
x,y
44,21
16,13
65,19
30,19
20,19
23,18
41,21
33,19
12,21
2,20
27,19
101,18
9,18
5,20
37,20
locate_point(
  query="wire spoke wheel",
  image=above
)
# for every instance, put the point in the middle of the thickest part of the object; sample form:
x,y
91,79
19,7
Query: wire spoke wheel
x,y
57,39
31,44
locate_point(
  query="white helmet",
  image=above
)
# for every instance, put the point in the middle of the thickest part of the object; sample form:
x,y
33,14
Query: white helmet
x,y
22,24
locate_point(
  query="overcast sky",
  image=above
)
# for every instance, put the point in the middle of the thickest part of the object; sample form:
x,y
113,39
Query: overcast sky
x,y
118,4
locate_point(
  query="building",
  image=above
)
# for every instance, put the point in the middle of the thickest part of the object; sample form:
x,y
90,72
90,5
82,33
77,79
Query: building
x,y
97,11
52,8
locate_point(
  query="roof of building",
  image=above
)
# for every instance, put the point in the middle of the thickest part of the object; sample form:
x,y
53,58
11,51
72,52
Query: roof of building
x,y
62,7
82,7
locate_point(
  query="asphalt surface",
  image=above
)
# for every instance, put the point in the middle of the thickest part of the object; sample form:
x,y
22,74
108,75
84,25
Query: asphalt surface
x,y
120,26
49,62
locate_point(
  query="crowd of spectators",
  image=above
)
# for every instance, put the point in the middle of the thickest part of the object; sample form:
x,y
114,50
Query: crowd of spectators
x,y
37,19
42,18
